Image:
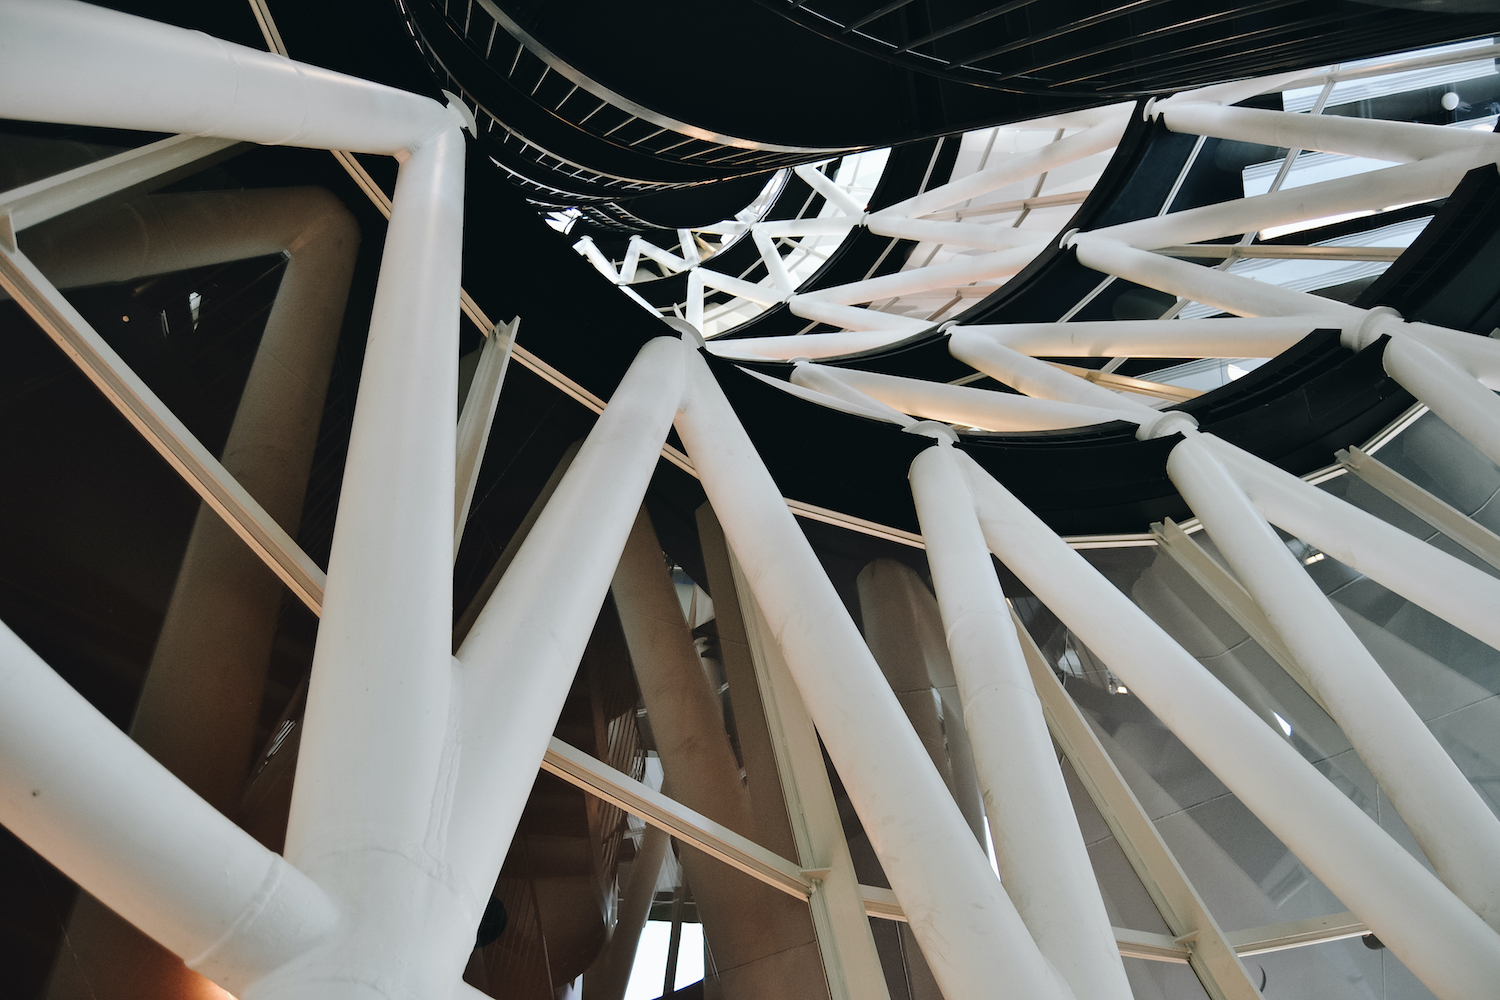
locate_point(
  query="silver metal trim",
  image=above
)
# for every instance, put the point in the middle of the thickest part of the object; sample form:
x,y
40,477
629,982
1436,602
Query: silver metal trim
x,y
640,111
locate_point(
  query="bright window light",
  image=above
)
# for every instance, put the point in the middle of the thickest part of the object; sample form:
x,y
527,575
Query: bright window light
x,y
651,959
1286,727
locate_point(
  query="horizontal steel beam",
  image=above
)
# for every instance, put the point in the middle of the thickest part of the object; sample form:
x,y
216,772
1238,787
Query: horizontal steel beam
x,y
1228,250
1296,934
1155,947
1446,518
156,164
714,839
161,428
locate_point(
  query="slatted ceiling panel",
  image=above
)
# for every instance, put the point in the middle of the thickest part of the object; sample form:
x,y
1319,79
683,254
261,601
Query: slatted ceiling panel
x,y
1096,47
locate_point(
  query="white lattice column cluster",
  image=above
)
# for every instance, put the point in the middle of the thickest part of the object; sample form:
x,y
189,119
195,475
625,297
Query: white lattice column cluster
x,y
380,895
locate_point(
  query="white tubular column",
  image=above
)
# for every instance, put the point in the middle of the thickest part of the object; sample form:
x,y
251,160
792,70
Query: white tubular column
x,y
850,318
1454,827
375,744
1447,389
1427,576
983,408
1044,864
75,788
1403,184
1230,292
968,928
822,378
63,61
963,234
1095,139
825,186
813,345
520,657
1479,356
1037,378
1440,939
1399,142
963,271
1153,338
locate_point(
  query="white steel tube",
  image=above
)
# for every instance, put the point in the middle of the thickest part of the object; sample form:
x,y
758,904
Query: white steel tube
x,y
962,271
814,345
963,234
1230,292
1037,378
63,61
825,186
694,304
1427,576
375,748
821,378
968,928
1452,951
849,318
1403,184
1447,389
1095,139
833,225
1399,142
94,804
738,286
1044,864
1453,825
775,266
520,657
1153,338
958,404
1479,356
595,256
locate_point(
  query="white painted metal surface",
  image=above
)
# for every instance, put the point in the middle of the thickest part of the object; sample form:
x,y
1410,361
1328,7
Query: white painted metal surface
x,y
114,820
969,930
1440,939
1455,828
1044,865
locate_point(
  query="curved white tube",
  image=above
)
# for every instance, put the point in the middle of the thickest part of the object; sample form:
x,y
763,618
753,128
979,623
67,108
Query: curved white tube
x,y
1452,951
1044,864
520,657
958,404
814,345
1453,825
1403,184
1153,338
968,928
1231,292
1447,389
1037,378
93,803
64,61
1423,574
1397,142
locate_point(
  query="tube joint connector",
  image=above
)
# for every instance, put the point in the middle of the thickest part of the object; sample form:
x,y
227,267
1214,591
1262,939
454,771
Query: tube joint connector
x,y
1376,323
